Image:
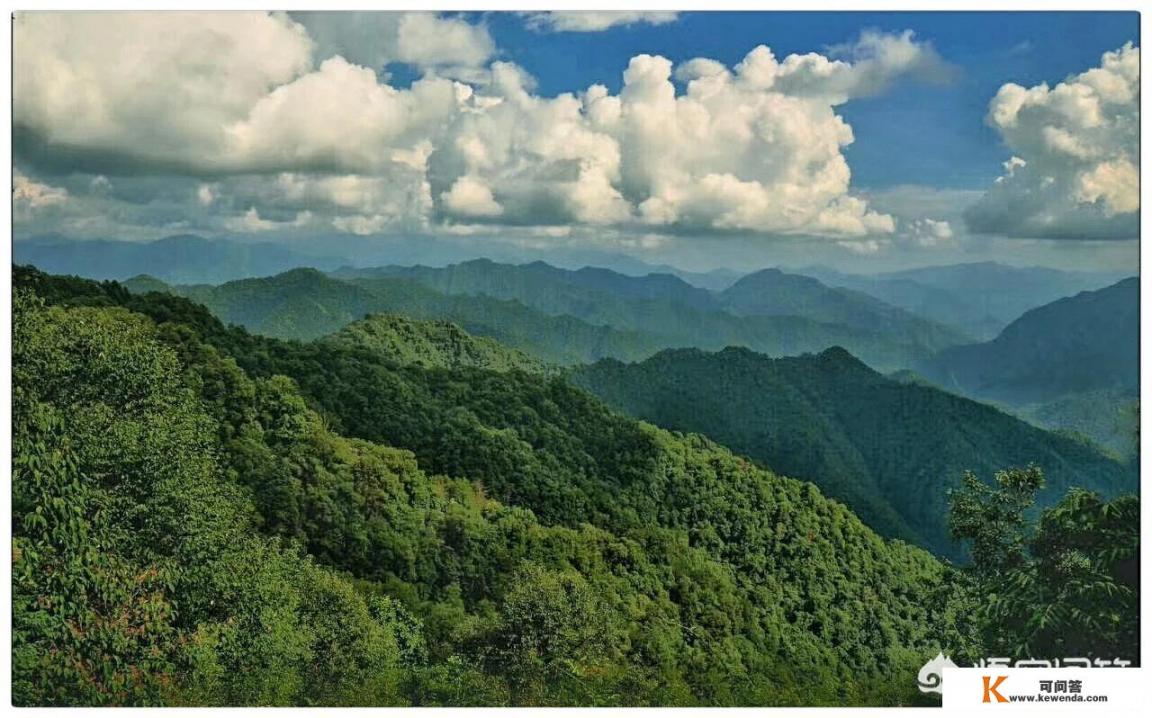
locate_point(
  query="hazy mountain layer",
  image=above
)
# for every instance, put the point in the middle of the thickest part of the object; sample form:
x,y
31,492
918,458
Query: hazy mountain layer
x,y
1078,344
979,299
769,311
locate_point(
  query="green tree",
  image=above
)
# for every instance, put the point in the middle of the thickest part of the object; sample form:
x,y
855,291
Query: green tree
x,y
1060,585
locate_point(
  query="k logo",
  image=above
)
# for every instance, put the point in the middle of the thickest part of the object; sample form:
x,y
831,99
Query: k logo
x,y
990,689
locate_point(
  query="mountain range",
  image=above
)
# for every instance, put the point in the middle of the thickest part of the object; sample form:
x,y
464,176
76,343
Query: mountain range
x,y
192,259
1083,343
501,533
178,259
306,304
770,311
891,450
979,299
889,447
560,316
1045,367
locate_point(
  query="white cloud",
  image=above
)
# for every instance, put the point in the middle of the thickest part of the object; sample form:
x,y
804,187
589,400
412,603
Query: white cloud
x,y
469,197
220,92
375,39
863,68
426,39
734,152
99,185
398,200
246,97
28,195
361,224
153,86
251,221
592,21
339,118
929,232
1074,172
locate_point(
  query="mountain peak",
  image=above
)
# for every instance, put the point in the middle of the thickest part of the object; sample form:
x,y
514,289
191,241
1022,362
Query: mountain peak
x,y
838,356
302,273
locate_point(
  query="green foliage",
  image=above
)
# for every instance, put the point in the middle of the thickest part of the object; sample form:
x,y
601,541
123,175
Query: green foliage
x,y
89,626
553,638
489,537
768,311
306,304
1111,418
138,578
431,344
1065,585
889,449
990,516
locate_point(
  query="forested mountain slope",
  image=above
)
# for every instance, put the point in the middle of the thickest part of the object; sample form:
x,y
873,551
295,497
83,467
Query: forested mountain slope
x,y
769,311
431,344
890,450
575,556
1078,344
558,316
306,304
772,292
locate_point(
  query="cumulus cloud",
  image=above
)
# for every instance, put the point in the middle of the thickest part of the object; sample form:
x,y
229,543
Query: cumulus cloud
x,y
929,232
376,39
1074,172
757,147
29,195
210,92
255,107
251,221
150,86
469,197
336,118
430,40
593,21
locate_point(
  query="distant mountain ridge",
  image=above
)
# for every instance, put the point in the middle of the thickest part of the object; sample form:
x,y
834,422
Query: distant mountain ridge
x,y
770,311
192,259
774,292
177,259
979,298
1087,342
888,449
305,304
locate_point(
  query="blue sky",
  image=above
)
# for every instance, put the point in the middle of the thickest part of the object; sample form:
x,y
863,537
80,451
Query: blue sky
x,y
915,134
864,139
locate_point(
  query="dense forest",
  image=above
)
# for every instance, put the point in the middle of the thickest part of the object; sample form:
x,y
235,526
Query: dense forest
x,y
307,304
770,311
570,317
889,449
401,514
